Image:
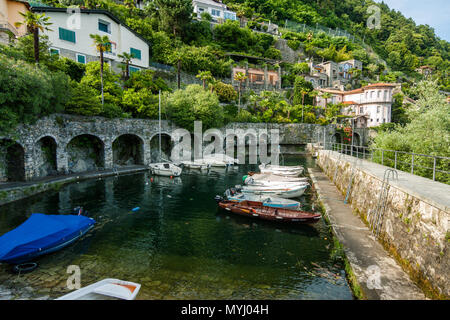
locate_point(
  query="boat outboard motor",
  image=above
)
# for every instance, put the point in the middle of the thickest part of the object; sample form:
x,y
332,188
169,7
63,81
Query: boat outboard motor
x,y
218,198
227,193
238,187
79,211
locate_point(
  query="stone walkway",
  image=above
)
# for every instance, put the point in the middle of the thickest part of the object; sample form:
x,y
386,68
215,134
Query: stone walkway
x,y
377,273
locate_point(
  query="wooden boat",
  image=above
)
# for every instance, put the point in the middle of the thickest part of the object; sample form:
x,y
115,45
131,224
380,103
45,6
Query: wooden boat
x,y
271,183
165,169
107,289
258,210
268,201
287,191
42,234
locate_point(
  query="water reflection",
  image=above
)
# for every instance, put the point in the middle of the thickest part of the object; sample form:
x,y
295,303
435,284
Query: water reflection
x,y
178,245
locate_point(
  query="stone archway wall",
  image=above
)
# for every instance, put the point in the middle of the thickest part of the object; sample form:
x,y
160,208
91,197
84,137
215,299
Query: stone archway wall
x,y
85,152
12,161
128,149
166,146
63,128
45,156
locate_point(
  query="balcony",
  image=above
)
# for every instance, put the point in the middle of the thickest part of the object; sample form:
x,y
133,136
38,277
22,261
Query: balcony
x,y
6,26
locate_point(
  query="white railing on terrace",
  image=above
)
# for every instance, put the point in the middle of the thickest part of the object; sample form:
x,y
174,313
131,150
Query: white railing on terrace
x,y
428,166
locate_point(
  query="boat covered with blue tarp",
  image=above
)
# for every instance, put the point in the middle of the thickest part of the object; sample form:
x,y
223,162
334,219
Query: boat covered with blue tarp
x,y
41,234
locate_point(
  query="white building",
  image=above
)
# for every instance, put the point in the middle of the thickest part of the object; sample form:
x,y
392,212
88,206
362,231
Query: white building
x,y
70,37
215,8
370,105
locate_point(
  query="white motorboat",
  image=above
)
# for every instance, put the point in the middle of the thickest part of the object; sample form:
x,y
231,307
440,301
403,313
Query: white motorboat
x,y
219,160
270,179
165,169
287,191
107,289
267,201
196,165
292,171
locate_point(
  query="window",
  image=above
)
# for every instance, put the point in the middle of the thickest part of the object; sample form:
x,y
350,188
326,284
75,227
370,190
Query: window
x,y
361,110
81,58
379,94
133,69
215,12
378,109
104,26
135,53
54,51
66,35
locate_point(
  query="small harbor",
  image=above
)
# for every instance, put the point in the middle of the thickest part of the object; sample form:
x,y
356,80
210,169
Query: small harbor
x,y
178,244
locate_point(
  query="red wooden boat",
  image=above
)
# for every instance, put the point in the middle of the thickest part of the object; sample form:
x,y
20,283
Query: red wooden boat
x,y
256,209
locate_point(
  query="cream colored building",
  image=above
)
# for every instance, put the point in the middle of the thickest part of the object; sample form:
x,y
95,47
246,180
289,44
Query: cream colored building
x,y
370,105
10,14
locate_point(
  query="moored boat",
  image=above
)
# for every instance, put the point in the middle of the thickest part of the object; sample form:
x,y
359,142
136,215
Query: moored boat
x,y
268,201
281,170
258,210
282,191
165,169
107,289
196,165
271,177
42,234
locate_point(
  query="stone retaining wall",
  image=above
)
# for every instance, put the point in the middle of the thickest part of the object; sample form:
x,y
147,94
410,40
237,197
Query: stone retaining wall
x,y
414,227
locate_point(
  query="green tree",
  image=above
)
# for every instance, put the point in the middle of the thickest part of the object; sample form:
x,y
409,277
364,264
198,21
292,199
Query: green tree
x,y
174,15
206,77
35,22
240,77
102,44
183,107
126,59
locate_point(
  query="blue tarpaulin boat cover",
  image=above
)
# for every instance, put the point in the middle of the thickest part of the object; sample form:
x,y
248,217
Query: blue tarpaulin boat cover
x,y
39,233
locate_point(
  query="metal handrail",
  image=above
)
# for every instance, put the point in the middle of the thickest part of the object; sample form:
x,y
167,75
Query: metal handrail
x,y
368,153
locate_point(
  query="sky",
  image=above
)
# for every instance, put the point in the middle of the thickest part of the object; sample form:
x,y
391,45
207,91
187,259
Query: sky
x,y
435,13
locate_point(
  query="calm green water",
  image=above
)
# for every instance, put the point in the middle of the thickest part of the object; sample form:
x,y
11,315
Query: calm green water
x,y
179,245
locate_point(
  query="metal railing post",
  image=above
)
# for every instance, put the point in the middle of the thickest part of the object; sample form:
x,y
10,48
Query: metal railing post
x,y
434,168
382,157
395,161
412,164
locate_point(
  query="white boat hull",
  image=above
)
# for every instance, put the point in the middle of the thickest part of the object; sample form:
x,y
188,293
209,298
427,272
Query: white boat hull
x,y
107,289
165,169
286,192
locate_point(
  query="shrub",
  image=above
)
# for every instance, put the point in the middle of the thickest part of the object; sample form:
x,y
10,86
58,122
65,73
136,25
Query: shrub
x,y
183,107
225,92
294,44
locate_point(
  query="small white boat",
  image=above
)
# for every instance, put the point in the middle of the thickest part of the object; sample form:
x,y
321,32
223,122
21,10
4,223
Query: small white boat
x,y
219,160
107,289
288,191
196,165
165,169
267,201
250,181
292,171
272,177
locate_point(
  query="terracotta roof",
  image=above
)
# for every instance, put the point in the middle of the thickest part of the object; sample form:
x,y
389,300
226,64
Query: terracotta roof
x,y
349,102
380,84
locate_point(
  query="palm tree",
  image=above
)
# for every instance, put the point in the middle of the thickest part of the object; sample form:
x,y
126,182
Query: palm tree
x,y
34,22
303,92
102,44
205,76
241,77
313,94
326,96
126,59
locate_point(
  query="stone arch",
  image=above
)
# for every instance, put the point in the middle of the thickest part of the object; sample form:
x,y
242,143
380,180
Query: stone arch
x,y
128,149
45,159
167,143
85,152
356,139
336,138
12,161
